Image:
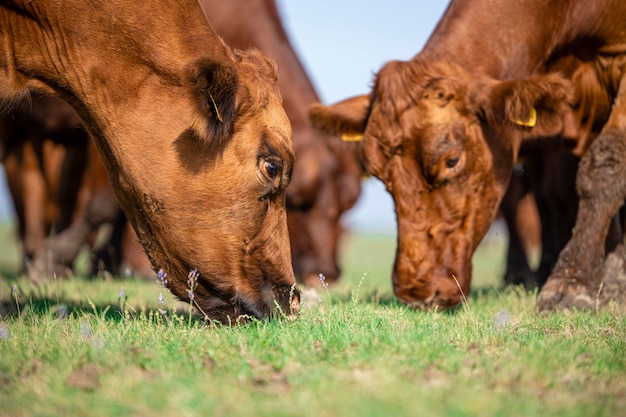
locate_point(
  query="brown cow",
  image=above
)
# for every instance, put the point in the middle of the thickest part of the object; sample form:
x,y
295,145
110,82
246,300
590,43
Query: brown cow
x,y
326,179
57,178
442,132
549,173
193,136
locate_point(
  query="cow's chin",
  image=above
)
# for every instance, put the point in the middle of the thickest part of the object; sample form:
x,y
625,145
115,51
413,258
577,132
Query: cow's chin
x,y
270,302
429,292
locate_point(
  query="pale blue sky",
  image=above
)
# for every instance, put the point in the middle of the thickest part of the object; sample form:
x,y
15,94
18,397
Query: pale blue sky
x,y
342,44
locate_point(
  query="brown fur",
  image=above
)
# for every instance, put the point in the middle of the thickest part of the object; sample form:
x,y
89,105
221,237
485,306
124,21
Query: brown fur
x,y
441,134
131,88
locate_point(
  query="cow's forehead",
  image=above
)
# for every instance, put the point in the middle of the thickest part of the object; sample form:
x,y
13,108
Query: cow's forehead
x,y
409,96
407,82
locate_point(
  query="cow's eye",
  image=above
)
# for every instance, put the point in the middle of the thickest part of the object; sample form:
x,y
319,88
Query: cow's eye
x,y
271,175
271,168
446,169
451,163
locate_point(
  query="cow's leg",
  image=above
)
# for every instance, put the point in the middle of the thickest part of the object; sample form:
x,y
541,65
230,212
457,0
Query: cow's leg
x,y
549,252
108,258
614,275
72,173
601,185
517,269
34,194
61,250
557,195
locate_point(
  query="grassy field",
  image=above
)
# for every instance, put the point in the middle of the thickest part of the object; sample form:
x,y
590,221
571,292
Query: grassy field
x,y
81,347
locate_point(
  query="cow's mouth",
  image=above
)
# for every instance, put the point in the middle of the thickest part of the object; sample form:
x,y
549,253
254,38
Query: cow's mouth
x,y
272,302
430,293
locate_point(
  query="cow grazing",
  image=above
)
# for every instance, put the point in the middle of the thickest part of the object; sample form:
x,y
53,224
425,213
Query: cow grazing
x,y
325,183
193,136
442,132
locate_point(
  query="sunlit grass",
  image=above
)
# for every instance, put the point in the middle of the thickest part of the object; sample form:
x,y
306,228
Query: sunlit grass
x,y
79,347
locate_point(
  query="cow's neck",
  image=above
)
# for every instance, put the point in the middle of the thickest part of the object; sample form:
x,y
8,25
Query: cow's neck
x,y
133,152
514,39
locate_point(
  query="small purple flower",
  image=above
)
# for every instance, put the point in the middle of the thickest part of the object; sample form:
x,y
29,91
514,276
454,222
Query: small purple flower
x,y
85,330
161,300
14,289
162,278
323,281
502,319
122,295
192,280
193,276
62,311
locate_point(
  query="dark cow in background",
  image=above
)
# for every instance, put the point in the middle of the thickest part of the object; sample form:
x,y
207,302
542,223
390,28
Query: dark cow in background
x,y
443,130
193,136
57,180
547,171
543,181
44,155
62,194
325,181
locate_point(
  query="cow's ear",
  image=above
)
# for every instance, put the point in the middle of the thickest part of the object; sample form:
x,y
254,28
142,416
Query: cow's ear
x,y
535,107
214,87
346,118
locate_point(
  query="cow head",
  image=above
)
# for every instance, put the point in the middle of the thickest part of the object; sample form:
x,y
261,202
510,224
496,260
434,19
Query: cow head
x,y
443,141
193,136
224,202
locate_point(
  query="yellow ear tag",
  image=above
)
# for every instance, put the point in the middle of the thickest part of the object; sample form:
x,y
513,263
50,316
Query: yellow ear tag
x,y
531,121
351,137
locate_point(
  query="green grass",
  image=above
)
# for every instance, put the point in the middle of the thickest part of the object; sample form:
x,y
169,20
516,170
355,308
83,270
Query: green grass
x,y
75,348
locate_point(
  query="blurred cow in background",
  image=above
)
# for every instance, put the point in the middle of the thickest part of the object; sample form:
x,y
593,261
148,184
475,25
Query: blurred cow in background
x,y
44,152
